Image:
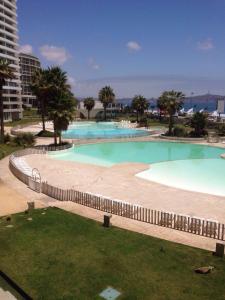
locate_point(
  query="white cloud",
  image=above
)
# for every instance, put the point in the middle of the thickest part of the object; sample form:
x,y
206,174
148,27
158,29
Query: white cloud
x,y
55,54
71,81
133,46
92,63
151,86
27,49
205,45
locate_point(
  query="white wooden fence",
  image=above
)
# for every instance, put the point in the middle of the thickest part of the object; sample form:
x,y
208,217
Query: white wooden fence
x,y
195,225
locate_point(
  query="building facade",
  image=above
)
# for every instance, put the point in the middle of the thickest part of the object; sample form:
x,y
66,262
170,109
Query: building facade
x,y
98,111
29,64
9,51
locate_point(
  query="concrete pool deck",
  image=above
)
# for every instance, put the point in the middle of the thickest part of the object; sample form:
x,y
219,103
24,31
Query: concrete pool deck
x,y
110,182
119,182
116,182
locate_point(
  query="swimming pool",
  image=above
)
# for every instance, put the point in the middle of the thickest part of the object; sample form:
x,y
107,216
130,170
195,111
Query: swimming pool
x,y
201,175
106,130
181,165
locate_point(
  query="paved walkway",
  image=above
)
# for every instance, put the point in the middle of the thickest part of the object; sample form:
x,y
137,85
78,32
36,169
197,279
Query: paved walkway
x,y
17,195
119,182
11,201
5,295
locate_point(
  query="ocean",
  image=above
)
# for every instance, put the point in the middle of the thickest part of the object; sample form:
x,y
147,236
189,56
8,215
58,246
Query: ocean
x,y
209,105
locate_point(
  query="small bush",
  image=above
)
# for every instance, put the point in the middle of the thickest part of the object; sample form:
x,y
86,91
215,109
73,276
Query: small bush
x,y
199,123
2,154
45,133
180,130
24,139
143,122
7,138
221,129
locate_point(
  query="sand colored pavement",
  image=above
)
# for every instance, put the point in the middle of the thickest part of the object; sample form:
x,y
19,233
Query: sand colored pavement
x,y
120,182
117,182
11,201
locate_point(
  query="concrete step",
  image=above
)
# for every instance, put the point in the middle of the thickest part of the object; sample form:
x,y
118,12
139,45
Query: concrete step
x,y
5,295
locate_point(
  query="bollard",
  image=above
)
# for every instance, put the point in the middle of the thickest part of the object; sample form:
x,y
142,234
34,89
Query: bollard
x,y
106,222
30,205
219,250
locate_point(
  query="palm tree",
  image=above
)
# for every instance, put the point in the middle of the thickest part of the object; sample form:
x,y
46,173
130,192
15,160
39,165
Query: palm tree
x,y
61,103
62,120
198,123
40,86
139,104
89,104
171,102
106,96
6,73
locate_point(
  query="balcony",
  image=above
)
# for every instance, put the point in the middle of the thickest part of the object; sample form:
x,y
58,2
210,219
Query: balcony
x,y
9,10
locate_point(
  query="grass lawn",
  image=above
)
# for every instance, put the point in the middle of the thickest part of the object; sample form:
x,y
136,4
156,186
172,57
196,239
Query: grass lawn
x,y
6,287
29,116
24,121
59,255
6,149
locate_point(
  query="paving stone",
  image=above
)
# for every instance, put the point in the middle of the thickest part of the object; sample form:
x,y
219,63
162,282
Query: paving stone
x,y
110,294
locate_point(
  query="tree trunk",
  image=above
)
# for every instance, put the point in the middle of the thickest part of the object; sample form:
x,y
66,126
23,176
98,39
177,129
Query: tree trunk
x,y
137,118
43,122
60,137
170,124
1,114
55,133
105,113
88,114
43,114
160,115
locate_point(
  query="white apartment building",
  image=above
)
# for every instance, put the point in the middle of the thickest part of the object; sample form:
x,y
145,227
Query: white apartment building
x,y
9,51
98,110
29,65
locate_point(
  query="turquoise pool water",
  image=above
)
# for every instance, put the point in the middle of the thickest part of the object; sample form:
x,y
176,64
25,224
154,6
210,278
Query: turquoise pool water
x,y
106,130
200,175
186,166
108,154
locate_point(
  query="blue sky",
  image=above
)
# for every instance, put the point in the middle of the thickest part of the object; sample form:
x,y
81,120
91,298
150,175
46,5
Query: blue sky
x,y
136,46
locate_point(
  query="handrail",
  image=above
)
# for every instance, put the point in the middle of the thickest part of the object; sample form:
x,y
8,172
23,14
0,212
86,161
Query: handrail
x,y
208,228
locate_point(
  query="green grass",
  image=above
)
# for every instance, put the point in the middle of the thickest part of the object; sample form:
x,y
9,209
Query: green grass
x,y
60,255
6,149
6,287
23,121
45,133
29,116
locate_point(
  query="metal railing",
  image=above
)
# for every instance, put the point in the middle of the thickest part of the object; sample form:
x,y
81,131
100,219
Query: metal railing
x,y
203,227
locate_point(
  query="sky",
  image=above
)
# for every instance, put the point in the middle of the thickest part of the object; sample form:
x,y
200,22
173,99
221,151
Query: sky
x,y
135,46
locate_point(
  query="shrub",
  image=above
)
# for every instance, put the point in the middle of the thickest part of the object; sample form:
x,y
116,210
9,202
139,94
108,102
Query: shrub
x,y
45,133
25,139
7,138
198,123
143,122
2,154
180,130
221,129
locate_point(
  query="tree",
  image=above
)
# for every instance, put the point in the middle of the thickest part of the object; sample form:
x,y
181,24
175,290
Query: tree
x,y
40,86
89,104
139,104
61,102
61,122
6,73
198,123
106,96
170,102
